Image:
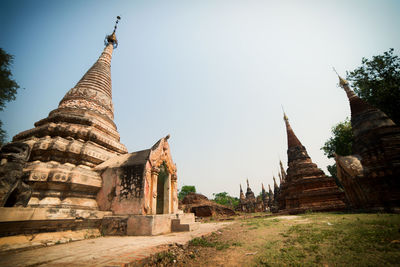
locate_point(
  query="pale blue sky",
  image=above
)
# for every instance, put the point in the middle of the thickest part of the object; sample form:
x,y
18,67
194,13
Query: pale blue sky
x,y
213,74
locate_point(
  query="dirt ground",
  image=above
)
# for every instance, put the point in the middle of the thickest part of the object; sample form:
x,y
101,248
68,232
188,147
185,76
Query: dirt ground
x,y
316,239
235,245
311,239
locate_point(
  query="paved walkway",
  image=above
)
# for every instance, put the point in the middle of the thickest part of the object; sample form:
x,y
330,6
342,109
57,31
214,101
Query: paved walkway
x,y
103,251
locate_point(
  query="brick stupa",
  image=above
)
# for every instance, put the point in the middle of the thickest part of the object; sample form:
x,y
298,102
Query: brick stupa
x,y
371,177
305,186
77,136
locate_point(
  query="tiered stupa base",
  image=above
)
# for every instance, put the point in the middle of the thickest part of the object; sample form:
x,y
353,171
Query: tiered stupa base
x,y
313,194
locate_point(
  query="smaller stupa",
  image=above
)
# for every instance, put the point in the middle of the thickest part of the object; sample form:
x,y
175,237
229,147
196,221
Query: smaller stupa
x,y
306,186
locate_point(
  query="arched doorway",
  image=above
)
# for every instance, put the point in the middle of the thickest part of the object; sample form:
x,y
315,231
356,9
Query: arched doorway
x,y
162,189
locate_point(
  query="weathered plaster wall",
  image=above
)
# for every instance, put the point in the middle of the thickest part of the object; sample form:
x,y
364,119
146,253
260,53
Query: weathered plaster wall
x,y
122,191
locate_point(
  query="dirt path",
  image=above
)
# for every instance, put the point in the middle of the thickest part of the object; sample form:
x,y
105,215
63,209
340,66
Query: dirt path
x,y
104,251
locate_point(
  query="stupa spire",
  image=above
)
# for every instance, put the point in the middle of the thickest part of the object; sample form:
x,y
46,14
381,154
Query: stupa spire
x,y
293,141
112,38
357,105
249,193
270,191
275,184
283,172
94,89
241,192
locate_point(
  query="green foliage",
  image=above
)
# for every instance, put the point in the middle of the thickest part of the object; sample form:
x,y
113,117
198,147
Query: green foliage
x,y
3,134
224,199
341,140
378,81
165,256
8,86
333,171
340,143
186,189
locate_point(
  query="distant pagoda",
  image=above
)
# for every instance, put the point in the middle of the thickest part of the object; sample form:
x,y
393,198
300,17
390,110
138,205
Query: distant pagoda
x,y
250,203
249,193
241,197
264,196
305,186
77,136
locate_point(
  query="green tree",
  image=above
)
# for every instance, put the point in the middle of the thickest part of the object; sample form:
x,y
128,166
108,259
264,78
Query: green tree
x,y
377,81
224,199
186,189
340,143
8,86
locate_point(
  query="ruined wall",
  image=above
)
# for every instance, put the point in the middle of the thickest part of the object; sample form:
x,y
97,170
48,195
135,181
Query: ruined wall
x,y
122,191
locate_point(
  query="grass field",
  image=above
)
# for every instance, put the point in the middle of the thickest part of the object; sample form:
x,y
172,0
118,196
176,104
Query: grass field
x,y
313,239
334,240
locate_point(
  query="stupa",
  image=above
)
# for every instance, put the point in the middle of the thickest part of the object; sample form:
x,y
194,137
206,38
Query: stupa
x,y
250,203
306,187
264,196
74,138
71,172
371,176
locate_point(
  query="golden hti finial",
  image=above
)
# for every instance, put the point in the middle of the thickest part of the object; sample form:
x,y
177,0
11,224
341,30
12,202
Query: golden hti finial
x,y
112,38
284,114
342,82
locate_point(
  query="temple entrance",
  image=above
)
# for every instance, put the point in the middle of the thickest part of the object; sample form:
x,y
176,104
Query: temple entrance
x,y
162,179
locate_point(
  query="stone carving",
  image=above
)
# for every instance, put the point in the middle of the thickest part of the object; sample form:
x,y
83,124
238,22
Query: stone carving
x,y
13,190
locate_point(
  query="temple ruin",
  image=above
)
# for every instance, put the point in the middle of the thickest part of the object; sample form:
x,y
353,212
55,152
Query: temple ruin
x,y
305,186
250,203
370,177
78,176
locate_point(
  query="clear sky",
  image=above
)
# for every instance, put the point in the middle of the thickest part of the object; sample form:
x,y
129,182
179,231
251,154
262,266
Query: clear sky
x,y
213,74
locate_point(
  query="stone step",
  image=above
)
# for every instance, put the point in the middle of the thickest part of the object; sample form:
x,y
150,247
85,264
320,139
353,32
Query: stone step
x,y
186,218
176,226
